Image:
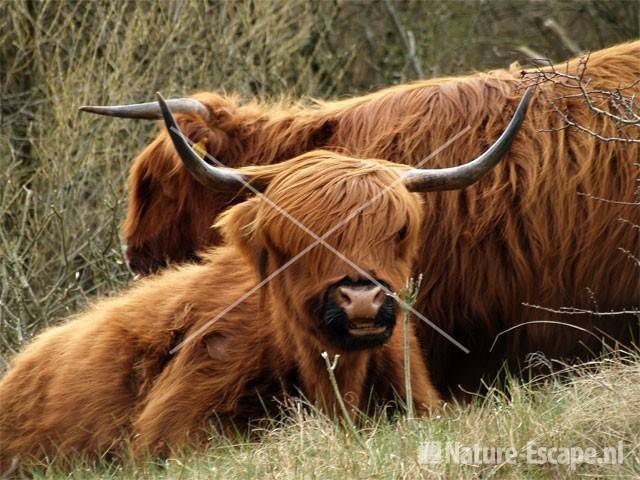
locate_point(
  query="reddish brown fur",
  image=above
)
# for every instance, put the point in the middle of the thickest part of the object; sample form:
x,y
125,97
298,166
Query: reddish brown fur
x,y
107,375
523,234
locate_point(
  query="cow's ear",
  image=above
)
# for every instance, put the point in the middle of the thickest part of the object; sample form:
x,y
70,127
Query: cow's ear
x,y
238,228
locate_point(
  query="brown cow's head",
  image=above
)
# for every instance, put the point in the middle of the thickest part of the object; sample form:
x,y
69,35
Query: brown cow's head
x,y
335,235
169,214
332,236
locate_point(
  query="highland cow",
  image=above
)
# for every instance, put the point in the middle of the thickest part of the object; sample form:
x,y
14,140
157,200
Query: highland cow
x,y
201,344
523,235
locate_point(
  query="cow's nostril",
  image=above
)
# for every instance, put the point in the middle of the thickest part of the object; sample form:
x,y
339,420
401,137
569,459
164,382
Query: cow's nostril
x,y
343,297
380,297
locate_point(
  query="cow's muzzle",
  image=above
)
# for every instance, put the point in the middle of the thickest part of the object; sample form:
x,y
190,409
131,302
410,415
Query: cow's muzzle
x,y
358,314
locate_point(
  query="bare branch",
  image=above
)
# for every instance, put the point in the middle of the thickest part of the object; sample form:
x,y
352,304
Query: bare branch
x,y
622,107
582,311
529,52
607,200
407,38
551,25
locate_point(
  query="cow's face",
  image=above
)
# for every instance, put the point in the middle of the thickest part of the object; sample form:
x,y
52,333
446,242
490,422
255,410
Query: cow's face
x,y
335,235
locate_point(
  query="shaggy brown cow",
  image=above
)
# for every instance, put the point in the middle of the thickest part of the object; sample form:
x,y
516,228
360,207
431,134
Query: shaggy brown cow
x,y
109,374
522,235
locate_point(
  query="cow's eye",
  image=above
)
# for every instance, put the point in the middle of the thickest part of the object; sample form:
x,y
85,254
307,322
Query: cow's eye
x,y
402,234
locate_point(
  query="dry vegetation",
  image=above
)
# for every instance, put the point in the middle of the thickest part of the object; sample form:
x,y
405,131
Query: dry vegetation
x,y
63,182
594,406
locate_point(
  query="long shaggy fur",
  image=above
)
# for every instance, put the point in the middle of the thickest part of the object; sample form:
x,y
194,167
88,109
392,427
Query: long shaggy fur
x,y
523,234
107,376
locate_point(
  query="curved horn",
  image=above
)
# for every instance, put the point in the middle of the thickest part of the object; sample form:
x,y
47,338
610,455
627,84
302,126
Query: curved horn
x,y
150,110
214,178
454,178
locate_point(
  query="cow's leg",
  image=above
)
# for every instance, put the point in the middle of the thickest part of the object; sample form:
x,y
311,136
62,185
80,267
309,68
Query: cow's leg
x,y
192,390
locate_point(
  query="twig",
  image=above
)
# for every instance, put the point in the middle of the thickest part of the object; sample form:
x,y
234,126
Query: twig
x,y
623,110
582,311
551,25
529,52
607,200
407,39
534,322
409,295
632,257
570,123
331,366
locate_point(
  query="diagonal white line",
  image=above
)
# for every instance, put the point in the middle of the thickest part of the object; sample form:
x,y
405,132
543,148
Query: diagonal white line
x,y
320,240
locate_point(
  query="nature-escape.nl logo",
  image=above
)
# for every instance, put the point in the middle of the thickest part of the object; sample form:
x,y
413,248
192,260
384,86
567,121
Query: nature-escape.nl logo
x,y
431,453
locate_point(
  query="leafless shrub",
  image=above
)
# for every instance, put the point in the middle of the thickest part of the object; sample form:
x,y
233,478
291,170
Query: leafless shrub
x,y
619,105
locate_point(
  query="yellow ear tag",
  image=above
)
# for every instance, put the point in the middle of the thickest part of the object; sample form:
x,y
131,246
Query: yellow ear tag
x,y
201,147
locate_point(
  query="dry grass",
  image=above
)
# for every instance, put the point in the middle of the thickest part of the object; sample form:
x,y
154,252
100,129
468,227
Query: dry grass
x,y
589,406
63,188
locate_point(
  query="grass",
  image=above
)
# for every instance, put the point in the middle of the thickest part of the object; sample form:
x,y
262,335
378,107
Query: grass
x,y
593,405
63,187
